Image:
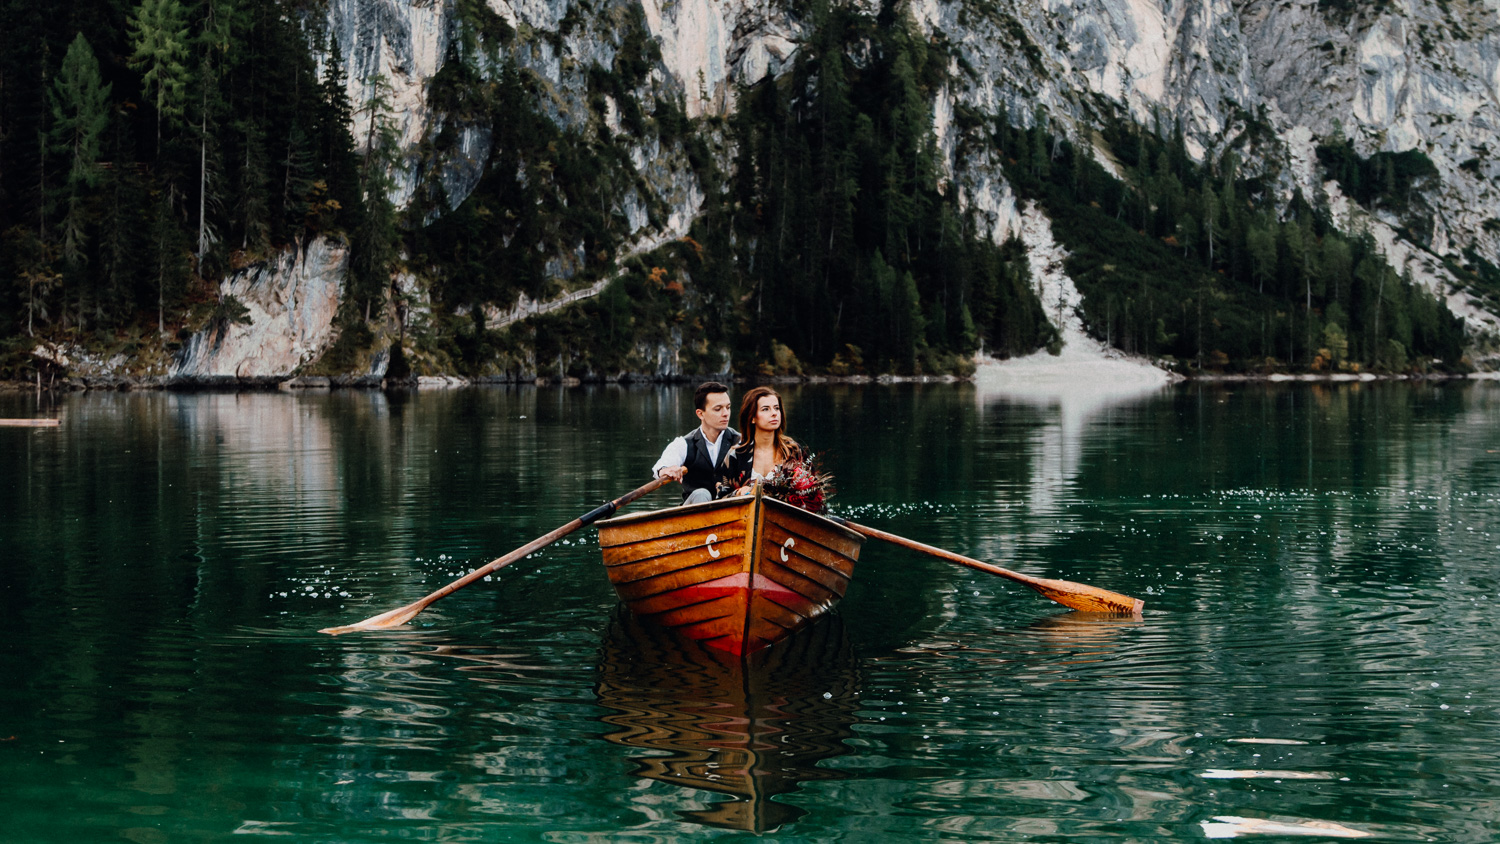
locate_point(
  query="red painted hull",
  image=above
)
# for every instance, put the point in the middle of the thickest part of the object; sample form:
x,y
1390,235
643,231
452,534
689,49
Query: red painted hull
x,y
739,574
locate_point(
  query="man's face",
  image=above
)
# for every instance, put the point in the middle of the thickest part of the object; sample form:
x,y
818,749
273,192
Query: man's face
x,y
715,412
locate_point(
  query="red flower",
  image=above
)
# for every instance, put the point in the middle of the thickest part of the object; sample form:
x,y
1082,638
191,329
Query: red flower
x,y
801,484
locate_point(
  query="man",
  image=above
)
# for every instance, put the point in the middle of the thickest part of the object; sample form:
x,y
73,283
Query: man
x,y
697,459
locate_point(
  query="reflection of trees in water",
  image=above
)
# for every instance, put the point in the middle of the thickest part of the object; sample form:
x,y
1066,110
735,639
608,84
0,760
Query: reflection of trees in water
x,y
1314,459
751,728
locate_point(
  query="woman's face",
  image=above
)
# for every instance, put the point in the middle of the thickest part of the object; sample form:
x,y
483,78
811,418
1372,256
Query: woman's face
x,y
768,413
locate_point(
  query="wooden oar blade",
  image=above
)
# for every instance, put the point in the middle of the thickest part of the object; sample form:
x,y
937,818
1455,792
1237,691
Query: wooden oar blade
x,y
384,621
1077,596
1085,598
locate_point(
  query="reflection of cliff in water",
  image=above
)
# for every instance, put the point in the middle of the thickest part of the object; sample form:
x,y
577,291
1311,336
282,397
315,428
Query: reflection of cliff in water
x,y
750,728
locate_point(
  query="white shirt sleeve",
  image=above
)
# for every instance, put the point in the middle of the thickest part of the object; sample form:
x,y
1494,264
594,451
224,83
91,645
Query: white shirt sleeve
x,y
672,456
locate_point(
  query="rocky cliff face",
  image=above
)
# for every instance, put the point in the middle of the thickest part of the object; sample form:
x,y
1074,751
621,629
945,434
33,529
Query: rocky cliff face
x,y
291,303
1402,75
1417,75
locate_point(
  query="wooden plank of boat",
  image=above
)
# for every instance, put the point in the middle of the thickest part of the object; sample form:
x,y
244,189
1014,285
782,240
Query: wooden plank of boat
x,y
738,574
30,423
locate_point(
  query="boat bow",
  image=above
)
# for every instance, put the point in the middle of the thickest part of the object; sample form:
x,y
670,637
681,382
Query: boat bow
x,y
738,574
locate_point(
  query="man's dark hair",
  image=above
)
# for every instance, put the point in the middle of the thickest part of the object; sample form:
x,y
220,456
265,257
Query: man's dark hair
x,y
700,396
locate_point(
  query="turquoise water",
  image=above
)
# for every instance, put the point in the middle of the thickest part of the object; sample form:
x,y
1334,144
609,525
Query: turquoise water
x,y
1315,659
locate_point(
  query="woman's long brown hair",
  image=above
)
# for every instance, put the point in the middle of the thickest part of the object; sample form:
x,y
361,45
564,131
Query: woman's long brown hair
x,y
782,446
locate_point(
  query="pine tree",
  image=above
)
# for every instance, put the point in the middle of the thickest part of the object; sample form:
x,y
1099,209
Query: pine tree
x,y
1261,243
159,45
907,133
80,112
338,163
163,232
252,185
217,44
373,252
300,187
23,117
125,202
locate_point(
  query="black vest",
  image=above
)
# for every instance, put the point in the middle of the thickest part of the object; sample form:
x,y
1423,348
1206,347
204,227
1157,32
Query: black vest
x,y
701,473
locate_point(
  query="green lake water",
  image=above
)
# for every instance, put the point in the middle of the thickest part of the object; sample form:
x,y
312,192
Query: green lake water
x,y
1317,655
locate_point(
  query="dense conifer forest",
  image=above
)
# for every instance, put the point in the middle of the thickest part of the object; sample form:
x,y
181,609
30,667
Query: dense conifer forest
x,y
1195,263
148,149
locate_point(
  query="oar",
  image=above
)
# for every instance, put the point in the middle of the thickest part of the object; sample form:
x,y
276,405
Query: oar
x,y
401,615
1077,596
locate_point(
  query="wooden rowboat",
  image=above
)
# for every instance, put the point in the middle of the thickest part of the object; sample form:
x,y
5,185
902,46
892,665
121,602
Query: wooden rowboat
x,y
738,574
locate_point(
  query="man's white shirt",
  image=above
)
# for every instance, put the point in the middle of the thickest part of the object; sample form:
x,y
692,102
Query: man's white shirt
x,y
675,454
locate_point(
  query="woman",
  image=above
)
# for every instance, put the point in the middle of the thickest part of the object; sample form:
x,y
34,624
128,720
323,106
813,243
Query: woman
x,y
766,445
769,456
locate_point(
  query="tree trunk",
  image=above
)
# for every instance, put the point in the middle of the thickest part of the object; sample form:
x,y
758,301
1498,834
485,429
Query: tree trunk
x,y
1200,329
1309,346
41,161
202,181
1379,295
245,235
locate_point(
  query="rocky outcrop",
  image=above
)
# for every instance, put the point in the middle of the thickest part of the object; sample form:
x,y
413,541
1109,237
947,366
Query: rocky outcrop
x,y
1420,75
291,303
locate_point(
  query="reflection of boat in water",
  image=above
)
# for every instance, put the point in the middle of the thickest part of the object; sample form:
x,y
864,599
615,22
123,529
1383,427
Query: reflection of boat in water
x,y
750,727
738,574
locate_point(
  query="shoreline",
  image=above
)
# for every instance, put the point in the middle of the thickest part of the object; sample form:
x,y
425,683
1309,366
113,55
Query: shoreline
x,y
1082,365
265,384
998,376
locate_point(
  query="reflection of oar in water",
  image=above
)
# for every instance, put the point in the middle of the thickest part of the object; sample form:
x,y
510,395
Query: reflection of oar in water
x,y
401,615
1078,596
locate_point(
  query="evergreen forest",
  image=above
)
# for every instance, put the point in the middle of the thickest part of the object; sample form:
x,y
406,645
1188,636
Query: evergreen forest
x,y
150,149
1196,263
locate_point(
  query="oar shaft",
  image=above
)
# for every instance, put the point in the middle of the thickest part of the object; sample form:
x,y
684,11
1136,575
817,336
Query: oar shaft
x,y
401,615
501,562
603,511
1078,596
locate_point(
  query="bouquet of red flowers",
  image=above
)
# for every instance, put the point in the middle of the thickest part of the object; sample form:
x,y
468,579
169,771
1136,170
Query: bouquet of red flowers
x,y
801,483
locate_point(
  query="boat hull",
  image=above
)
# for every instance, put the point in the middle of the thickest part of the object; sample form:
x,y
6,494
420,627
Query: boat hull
x,y
738,574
